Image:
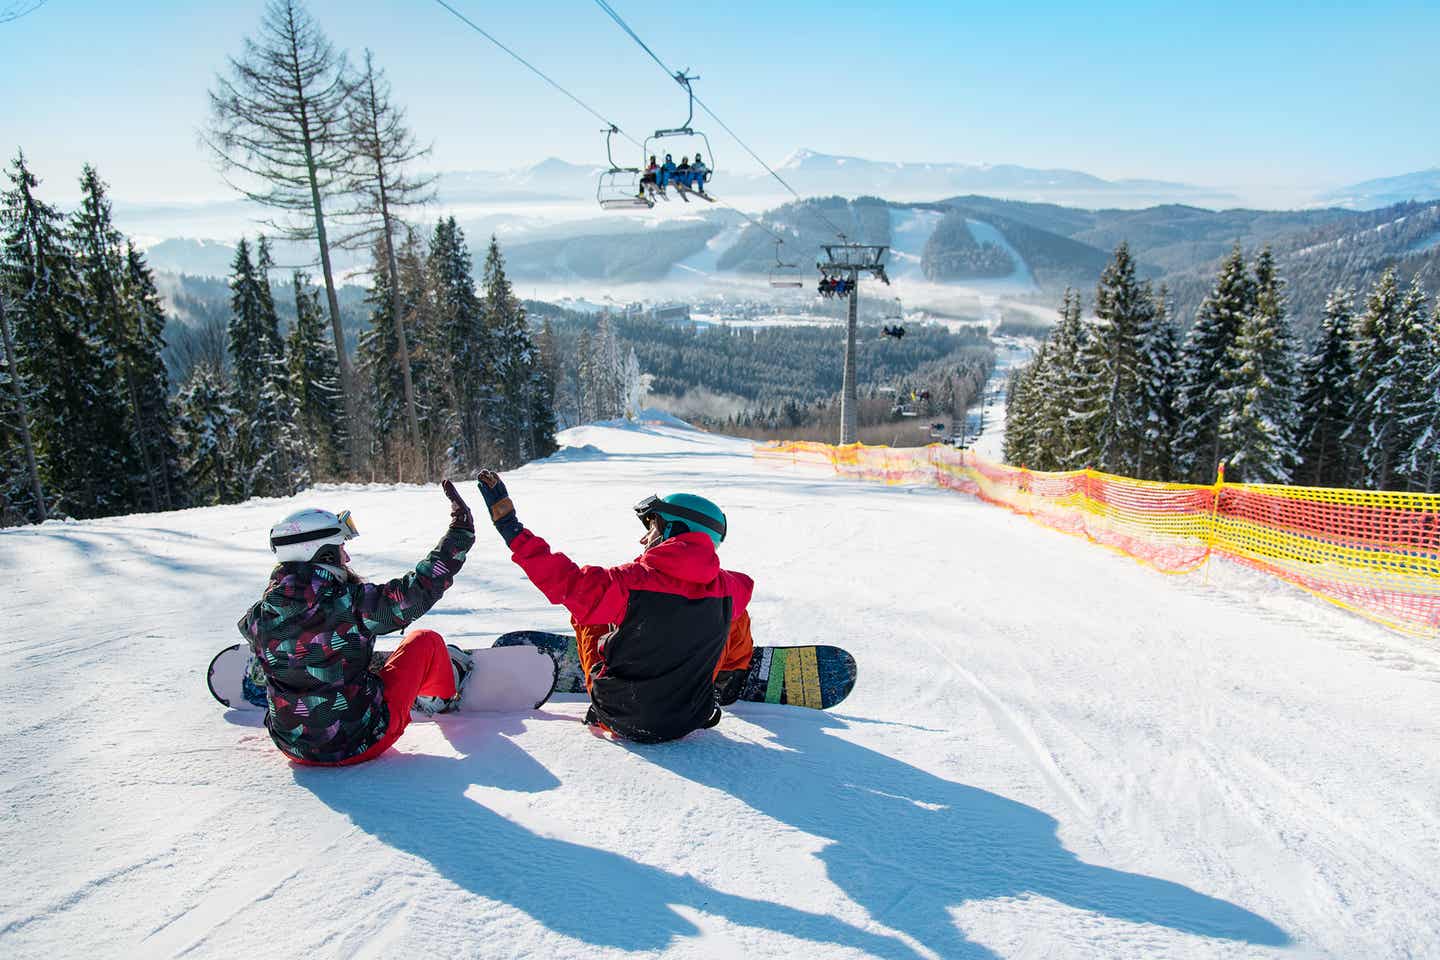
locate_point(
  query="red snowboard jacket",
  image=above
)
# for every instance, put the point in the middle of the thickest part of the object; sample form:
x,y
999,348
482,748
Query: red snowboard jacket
x,y
669,612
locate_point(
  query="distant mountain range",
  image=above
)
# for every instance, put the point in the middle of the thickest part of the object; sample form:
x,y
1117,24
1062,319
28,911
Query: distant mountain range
x,y
812,173
1421,186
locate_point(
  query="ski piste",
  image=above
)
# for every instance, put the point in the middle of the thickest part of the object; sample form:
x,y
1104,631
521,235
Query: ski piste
x,y
818,676
499,681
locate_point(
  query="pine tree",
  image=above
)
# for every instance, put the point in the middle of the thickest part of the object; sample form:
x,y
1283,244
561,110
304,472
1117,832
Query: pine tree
x,y
1062,446
1414,406
1159,365
100,269
76,415
279,120
269,460
1259,416
1123,311
1205,364
381,147
377,356
154,426
462,342
1422,462
511,416
310,364
1023,413
206,420
1389,341
1328,398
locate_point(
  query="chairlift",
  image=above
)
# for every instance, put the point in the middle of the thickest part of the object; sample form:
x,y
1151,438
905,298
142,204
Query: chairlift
x,y
667,177
621,188
785,274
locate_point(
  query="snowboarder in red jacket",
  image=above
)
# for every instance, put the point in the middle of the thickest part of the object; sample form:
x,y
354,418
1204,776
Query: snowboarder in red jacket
x,y
665,639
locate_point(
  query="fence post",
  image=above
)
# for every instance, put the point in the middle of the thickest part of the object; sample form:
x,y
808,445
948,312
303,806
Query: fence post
x,y
1214,511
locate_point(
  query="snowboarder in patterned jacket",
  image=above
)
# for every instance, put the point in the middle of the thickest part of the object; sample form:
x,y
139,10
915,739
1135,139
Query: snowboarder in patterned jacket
x,y
314,631
664,641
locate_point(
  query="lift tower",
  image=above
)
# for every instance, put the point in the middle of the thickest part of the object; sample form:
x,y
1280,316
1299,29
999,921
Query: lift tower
x,y
848,261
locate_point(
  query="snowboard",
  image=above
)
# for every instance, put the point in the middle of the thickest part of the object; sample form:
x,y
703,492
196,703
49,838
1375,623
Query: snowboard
x,y
818,677
501,680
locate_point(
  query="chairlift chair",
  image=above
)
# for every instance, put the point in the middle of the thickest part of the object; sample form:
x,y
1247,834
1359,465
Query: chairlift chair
x,y
620,187
689,132
785,274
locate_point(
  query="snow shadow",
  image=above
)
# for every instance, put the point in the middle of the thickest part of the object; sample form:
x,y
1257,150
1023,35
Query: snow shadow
x,y
417,803
910,847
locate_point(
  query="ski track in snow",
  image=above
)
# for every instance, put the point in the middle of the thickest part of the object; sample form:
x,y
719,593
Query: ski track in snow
x,y
1051,751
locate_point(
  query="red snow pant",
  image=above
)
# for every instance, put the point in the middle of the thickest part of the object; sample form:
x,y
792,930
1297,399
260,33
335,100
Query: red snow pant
x,y
419,667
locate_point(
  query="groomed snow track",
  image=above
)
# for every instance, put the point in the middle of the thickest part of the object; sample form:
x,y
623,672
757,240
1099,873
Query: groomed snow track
x,y
1052,751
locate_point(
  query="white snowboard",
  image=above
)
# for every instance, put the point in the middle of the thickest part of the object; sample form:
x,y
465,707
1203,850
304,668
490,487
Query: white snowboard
x,y
504,679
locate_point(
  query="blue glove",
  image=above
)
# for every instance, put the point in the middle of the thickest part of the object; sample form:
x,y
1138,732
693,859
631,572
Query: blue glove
x,y
502,511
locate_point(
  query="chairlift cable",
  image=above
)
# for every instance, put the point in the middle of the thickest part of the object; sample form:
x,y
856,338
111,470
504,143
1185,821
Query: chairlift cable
x,y
537,71
674,75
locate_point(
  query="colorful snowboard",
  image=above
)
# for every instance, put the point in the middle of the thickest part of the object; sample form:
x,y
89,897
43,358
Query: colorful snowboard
x,y
501,681
817,677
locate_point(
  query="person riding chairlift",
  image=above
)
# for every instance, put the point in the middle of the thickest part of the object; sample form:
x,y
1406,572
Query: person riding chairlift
x,y
647,180
698,173
682,173
667,172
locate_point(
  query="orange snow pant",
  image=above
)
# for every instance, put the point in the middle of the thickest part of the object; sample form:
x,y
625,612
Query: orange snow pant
x,y
736,655
419,667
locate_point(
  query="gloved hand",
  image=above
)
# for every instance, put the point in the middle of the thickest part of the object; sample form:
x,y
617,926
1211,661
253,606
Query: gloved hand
x,y
459,511
502,511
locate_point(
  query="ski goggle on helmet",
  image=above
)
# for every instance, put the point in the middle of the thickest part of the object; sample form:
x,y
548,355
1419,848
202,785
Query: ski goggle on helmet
x,y
312,536
696,514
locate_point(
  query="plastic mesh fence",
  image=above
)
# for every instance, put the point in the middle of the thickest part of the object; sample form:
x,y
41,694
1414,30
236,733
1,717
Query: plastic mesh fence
x,y
1375,553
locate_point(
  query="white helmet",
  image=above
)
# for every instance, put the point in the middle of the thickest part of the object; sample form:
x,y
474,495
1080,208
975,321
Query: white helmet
x,y
312,536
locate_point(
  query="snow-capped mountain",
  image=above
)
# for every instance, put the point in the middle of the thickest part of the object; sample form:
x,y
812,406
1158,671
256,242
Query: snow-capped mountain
x,y
1421,186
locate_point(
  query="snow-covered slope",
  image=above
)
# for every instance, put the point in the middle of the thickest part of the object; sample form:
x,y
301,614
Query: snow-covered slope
x,y
1051,752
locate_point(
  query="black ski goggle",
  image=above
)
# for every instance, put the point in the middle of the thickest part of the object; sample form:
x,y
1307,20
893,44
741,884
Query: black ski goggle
x,y
654,506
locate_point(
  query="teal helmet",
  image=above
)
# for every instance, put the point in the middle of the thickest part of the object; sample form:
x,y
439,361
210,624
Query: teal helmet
x,y
684,513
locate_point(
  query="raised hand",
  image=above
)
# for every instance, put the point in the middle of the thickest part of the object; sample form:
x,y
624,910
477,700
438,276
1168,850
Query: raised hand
x,y
459,510
502,510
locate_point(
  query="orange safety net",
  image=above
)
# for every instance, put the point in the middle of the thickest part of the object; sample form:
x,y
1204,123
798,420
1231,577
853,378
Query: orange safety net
x,y
1375,553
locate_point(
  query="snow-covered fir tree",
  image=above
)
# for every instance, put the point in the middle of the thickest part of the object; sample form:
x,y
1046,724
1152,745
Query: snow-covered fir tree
x,y
99,267
314,382
605,373
380,371
206,421
636,385
1389,348
1205,363
518,374
154,423
1159,366
1109,407
1024,412
1064,445
1328,399
270,459
461,341
1259,418
1422,462
76,412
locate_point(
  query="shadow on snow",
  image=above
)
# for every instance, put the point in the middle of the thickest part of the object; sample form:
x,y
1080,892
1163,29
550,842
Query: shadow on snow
x,y
906,845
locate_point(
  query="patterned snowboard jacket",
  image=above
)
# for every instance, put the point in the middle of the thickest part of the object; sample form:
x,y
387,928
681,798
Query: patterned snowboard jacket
x,y
666,618
313,634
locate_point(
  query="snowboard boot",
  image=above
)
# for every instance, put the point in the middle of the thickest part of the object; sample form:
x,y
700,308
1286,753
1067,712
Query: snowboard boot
x,y
462,665
728,684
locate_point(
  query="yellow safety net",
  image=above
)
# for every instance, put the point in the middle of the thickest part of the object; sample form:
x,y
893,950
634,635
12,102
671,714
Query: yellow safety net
x,y
1375,553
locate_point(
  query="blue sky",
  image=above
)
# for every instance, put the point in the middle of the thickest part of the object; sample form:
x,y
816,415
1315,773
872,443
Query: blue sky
x,y
1260,97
